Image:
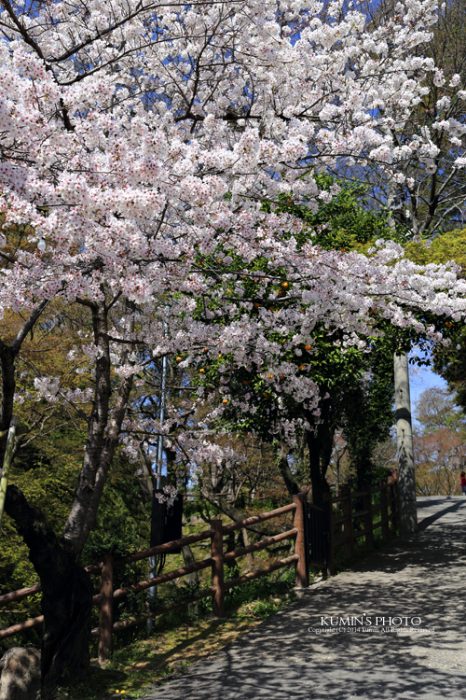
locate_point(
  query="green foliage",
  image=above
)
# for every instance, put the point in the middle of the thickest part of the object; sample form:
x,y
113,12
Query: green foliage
x,y
369,415
441,249
259,589
46,471
123,519
345,223
201,508
436,410
358,384
449,362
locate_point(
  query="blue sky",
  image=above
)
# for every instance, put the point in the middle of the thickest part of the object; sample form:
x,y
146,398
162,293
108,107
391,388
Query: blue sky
x,y
421,379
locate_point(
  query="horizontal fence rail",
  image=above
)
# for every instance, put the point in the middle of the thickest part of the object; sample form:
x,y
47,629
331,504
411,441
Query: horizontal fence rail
x,y
215,562
342,529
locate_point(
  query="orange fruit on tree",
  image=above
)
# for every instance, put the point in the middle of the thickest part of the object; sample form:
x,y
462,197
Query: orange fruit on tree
x,y
225,401
307,347
302,367
285,285
179,359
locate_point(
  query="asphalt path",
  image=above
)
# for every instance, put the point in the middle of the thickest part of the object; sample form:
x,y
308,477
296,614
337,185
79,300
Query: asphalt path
x,y
323,646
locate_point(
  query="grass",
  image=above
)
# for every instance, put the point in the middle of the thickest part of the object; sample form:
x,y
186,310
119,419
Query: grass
x,y
180,640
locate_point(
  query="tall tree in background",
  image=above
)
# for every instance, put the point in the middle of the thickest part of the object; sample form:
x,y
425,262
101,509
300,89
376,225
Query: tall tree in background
x,y
440,443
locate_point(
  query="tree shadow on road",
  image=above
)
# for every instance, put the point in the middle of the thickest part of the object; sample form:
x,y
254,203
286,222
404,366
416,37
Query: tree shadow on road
x,y
421,576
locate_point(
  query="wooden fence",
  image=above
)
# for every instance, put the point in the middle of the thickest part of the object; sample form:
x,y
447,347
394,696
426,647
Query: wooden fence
x,y
215,562
347,523
343,529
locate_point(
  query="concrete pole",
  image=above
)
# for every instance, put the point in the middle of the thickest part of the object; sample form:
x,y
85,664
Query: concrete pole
x,y
404,435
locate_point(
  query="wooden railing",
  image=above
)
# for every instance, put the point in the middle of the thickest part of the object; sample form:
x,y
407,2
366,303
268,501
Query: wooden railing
x,y
215,562
351,524
346,525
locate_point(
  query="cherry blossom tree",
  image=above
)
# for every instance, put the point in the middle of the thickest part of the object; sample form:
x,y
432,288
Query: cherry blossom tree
x,y
138,138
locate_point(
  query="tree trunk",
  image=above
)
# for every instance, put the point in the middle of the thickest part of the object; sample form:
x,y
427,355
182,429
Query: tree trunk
x,y
317,483
291,484
67,589
192,578
249,555
66,598
364,470
319,440
319,459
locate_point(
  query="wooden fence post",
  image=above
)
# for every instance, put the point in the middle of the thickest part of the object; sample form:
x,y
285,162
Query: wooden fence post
x,y
348,512
328,501
368,521
106,609
217,568
299,522
384,509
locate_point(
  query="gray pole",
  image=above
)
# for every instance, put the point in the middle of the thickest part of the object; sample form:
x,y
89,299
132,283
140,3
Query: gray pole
x,y
404,435
406,476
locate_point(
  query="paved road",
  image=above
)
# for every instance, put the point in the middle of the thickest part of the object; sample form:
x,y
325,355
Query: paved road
x,y
423,576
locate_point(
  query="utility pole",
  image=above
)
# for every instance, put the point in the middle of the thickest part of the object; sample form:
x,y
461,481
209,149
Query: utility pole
x,y
404,441
404,434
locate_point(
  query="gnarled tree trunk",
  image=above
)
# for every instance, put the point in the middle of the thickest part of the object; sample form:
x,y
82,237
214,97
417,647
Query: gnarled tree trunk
x,y
66,598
